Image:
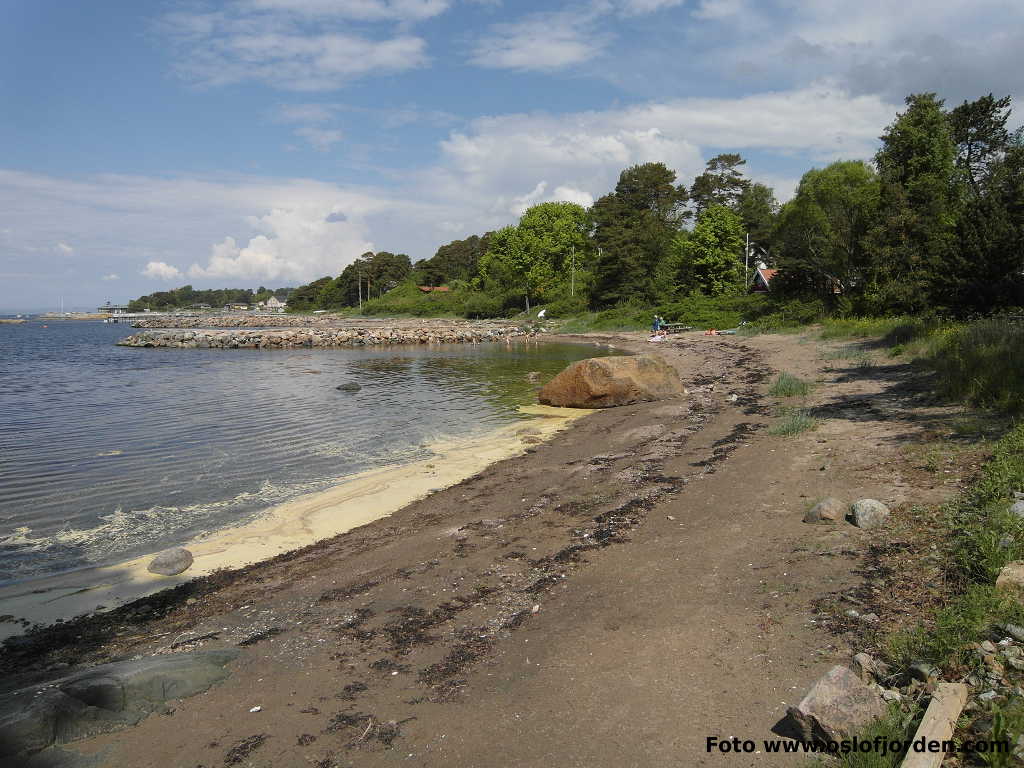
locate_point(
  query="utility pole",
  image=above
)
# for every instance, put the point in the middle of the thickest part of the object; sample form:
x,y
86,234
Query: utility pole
x,y
746,263
572,273
359,282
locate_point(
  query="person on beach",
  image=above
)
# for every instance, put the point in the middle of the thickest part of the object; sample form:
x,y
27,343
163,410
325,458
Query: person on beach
x,y
656,325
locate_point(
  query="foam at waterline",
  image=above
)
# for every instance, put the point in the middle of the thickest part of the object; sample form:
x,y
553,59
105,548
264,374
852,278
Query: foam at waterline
x,y
361,499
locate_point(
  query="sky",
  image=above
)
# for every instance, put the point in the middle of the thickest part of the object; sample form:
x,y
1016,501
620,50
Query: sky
x,y
149,144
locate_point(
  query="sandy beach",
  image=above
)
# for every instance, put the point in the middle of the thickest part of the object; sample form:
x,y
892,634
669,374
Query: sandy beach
x,y
609,596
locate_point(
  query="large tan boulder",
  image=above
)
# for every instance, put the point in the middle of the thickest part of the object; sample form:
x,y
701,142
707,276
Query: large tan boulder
x,y
604,382
838,705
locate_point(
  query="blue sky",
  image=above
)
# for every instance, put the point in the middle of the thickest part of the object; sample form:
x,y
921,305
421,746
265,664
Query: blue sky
x,y
149,144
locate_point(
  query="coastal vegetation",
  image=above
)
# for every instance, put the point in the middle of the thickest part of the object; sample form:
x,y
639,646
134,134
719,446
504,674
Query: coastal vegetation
x,y
188,297
933,225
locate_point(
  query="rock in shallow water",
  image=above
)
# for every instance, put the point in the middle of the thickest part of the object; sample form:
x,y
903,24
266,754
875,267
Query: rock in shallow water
x,y
348,386
605,382
171,562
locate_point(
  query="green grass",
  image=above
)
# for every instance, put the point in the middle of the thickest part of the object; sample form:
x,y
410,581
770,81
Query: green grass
x,y
792,422
859,327
982,537
980,363
788,385
895,726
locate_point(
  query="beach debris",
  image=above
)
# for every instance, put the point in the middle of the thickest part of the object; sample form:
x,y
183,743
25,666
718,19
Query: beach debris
x,y
828,510
348,386
257,708
171,562
837,705
606,382
868,513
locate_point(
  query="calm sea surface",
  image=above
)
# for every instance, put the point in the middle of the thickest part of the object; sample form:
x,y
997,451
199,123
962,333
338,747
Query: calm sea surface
x,y
109,452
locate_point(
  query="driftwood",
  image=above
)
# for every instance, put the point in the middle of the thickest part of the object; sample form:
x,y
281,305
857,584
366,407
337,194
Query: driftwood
x,y
938,724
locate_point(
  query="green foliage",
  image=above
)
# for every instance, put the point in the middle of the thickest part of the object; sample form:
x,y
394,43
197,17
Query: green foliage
x,y
758,209
307,297
710,259
981,363
820,233
722,183
457,260
793,422
913,240
633,227
187,297
896,726
788,385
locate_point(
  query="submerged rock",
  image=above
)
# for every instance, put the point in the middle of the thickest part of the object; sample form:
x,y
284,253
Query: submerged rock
x,y
605,382
102,699
348,386
171,562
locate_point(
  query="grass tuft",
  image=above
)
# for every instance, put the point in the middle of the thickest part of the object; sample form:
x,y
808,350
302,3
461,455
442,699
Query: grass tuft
x,y
788,385
793,422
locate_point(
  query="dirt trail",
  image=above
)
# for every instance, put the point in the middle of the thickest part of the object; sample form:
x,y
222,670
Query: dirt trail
x,y
614,597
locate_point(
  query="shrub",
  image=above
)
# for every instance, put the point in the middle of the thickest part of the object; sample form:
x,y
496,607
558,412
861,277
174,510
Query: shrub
x,y
980,363
793,422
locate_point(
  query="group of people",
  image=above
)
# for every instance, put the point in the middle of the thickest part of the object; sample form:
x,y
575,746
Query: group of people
x,y
657,324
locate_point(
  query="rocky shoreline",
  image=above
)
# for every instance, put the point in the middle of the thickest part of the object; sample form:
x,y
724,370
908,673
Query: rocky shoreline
x,y
303,321
318,337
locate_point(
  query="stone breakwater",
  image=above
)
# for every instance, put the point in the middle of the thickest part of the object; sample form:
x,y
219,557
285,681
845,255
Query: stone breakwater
x,y
234,321
317,337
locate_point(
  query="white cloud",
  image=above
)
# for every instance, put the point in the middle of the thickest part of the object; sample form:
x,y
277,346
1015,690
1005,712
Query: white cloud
x,y
159,270
223,48
540,42
719,10
110,277
539,194
65,248
638,7
367,10
311,123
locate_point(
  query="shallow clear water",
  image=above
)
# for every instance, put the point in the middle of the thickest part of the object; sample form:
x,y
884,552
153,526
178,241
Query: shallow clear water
x,y
109,452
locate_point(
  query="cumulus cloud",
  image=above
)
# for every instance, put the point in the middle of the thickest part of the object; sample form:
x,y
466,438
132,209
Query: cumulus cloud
x,y
159,270
638,7
110,277
65,248
539,194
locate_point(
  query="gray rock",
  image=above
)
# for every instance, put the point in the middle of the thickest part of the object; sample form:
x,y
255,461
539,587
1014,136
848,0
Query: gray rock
x,y
868,513
838,704
171,562
868,668
922,671
1017,508
102,699
1011,578
348,386
1017,633
828,510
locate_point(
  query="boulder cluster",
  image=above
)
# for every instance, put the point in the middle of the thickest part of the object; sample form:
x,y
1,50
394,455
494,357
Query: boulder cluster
x,y
316,337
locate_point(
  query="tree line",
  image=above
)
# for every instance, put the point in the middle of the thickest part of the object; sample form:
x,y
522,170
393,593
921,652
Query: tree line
x,y
933,223
187,297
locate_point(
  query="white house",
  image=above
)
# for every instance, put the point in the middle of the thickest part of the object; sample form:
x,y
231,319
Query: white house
x,y
274,304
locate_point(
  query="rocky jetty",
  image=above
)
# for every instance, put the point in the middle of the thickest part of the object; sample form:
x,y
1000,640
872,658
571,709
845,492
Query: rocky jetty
x,y
235,321
318,337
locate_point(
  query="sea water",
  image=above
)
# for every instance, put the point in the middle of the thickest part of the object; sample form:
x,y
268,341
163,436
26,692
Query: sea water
x,y
110,452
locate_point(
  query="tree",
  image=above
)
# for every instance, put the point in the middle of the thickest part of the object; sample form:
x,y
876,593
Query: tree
x,y
709,259
819,238
979,130
722,183
633,228
757,207
457,260
914,241
307,297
